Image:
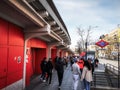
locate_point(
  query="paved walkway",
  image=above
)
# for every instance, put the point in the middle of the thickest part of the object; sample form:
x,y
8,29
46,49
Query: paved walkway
x,y
112,62
67,84
100,68
36,84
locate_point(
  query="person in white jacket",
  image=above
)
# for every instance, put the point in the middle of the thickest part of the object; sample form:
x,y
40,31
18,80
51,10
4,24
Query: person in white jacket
x,y
87,75
76,74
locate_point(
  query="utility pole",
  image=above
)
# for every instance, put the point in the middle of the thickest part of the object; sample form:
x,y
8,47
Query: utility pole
x,y
86,49
118,68
118,44
118,56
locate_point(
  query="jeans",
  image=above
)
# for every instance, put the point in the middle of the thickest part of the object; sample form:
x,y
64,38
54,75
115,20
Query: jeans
x,y
43,75
75,81
87,85
49,77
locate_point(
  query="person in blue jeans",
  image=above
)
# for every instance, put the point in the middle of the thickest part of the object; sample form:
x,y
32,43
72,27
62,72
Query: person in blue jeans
x,y
87,85
86,76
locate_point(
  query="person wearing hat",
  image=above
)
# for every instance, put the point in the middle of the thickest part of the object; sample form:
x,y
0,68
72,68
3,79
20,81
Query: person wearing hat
x,y
76,74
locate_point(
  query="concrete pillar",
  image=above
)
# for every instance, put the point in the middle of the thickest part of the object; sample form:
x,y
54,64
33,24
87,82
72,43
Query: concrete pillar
x,y
50,45
49,51
62,54
24,64
58,52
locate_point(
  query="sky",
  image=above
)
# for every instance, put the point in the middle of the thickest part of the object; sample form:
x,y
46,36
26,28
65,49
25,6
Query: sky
x,y
105,14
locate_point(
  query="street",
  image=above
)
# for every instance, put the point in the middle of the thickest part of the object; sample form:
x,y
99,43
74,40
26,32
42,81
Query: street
x,y
112,62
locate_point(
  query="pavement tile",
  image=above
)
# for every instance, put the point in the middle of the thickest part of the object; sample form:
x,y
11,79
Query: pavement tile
x,y
67,84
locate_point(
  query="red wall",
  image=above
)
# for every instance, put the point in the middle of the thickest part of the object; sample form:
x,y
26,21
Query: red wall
x,y
3,66
40,54
11,50
38,50
3,52
60,53
53,53
37,43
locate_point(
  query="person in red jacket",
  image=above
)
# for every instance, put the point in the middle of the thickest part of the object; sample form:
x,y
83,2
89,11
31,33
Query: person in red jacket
x,y
81,64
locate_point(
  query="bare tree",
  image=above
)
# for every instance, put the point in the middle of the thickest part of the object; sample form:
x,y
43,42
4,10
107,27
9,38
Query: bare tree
x,y
79,47
84,38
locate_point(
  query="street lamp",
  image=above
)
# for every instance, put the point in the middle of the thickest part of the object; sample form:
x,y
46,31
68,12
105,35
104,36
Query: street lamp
x,y
117,42
118,57
86,49
118,66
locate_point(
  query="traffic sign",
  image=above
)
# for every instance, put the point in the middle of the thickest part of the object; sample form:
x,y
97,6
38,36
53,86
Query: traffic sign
x,y
101,43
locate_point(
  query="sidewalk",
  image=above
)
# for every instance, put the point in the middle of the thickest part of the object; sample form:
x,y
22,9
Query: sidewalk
x,y
100,68
36,84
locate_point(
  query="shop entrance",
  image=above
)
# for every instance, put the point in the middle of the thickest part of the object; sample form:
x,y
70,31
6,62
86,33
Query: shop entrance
x,y
37,55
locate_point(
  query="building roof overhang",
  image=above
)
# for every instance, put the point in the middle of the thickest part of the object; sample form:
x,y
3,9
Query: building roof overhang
x,y
35,15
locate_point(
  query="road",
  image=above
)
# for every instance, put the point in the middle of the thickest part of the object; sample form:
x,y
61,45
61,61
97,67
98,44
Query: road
x,y
113,68
113,62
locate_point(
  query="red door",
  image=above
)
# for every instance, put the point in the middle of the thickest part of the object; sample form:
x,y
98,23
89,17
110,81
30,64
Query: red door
x,y
3,66
11,53
33,57
40,54
53,54
37,54
3,52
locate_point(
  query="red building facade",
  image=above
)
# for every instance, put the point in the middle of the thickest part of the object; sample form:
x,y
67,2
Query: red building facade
x,y
11,53
25,39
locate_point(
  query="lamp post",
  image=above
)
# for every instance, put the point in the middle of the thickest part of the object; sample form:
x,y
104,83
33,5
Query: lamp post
x,y
118,68
86,49
117,42
118,56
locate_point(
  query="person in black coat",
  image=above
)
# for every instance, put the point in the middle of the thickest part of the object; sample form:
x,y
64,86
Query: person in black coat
x,y
49,70
43,66
59,66
96,61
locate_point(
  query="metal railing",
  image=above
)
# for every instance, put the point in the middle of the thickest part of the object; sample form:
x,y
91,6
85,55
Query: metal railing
x,y
109,78
112,68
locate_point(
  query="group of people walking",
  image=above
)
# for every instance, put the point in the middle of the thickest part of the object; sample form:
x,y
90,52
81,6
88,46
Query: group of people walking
x,y
81,71
47,68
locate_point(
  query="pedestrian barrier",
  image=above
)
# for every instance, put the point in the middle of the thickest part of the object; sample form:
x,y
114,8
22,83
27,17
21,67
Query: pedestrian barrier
x,y
108,80
111,68
114,75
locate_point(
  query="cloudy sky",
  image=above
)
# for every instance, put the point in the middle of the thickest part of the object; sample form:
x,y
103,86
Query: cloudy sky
x,y
84,13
